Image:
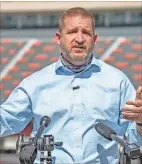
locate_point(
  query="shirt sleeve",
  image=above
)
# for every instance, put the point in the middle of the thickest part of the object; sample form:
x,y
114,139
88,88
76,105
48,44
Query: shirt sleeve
x,y
128,92
16,111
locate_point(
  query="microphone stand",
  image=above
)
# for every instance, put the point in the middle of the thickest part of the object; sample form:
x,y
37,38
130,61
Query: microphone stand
x,y
27,151
131,151
47,144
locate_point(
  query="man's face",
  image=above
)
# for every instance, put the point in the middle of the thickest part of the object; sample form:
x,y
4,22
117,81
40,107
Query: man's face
x,y
77,39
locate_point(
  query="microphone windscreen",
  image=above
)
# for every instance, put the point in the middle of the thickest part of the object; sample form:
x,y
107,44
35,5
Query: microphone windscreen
x,y
104,130
45,120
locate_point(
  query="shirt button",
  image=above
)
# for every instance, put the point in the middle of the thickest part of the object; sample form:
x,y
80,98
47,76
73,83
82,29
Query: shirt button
x,y
78,146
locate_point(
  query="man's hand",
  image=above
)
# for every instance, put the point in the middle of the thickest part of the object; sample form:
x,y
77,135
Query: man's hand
x,y
133,109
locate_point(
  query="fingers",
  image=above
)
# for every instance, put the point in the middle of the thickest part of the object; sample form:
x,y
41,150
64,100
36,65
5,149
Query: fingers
x,y
130,115
133,109
128,118
137,102
139,93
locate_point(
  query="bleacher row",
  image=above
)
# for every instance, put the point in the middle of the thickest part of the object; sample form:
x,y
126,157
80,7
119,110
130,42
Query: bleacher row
x,y
127,57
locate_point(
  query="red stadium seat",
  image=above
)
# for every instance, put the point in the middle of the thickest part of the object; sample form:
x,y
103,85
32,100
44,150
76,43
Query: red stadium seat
x,y
19,43
54,58
130,56
136,67
48,48
118,51
2,49
126,41
37,43
99,51
25,74
121,65
137,47
23,60
109,59
53,40
34,66
14,69
1,86
7,78
41,57
6,40
140,58
15,83
12,51
108,42
4,60
7,92
30,52
137,77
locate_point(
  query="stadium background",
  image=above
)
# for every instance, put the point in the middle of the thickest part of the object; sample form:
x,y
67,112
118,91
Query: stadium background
x,y
27,44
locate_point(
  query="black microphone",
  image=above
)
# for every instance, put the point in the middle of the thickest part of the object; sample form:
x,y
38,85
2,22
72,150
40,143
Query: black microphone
x,y
76,87
131,149
44,122
29,152
108,133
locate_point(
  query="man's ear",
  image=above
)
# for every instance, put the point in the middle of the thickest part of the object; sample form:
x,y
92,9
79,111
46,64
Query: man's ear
x,y
95,39
58,36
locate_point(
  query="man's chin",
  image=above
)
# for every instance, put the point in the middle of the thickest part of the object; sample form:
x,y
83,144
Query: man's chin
x,y
79,56
79,60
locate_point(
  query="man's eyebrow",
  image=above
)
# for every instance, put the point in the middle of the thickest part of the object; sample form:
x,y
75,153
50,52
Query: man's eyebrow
x,y
86,29
71,28
75,28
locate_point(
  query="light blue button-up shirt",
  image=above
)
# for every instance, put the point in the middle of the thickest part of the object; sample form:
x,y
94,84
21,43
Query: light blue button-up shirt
x,y
103,91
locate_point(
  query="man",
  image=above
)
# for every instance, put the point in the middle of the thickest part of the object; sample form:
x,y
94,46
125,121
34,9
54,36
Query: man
x,y
76,92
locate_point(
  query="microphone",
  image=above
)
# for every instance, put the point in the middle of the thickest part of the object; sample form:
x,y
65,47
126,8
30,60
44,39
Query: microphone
x,y
44,122
76,87
131,149
108,133
28,154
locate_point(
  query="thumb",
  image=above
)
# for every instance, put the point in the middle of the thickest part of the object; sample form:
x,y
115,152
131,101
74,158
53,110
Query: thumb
x,y
139,93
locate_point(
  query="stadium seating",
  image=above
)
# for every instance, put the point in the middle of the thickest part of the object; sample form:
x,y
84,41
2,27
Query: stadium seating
x,y
127,57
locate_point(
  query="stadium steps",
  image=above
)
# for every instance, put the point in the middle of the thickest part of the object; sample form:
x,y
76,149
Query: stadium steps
x,y
127,57
8,49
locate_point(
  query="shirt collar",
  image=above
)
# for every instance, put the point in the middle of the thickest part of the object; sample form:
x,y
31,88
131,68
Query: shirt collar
x,y
95,62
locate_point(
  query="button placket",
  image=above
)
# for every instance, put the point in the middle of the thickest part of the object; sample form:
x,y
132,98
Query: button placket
x,y
76,112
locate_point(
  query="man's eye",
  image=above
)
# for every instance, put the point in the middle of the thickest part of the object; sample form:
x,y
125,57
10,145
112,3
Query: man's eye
x,y
71,32
85,32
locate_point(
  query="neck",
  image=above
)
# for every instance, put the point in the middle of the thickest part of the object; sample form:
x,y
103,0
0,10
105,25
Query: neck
x,y
75,68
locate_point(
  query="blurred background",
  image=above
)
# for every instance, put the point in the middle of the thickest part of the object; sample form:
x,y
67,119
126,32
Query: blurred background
x,y
27,44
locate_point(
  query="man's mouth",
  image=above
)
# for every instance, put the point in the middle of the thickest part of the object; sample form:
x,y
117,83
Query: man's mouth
x,y
79,47
78,50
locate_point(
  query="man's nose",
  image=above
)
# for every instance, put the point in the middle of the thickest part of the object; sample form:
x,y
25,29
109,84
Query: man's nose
x,y
79,38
